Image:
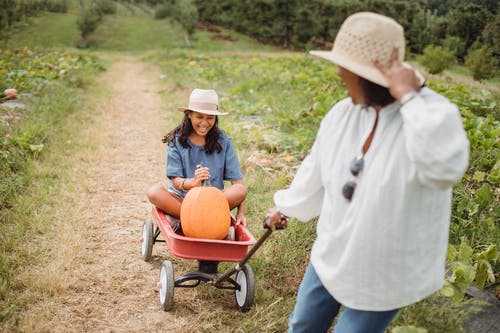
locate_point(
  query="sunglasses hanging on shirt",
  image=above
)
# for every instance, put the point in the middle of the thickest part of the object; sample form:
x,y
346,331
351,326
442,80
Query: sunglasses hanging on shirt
x,y
357,164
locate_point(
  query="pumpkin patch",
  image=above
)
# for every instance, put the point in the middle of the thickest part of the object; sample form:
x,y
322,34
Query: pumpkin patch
x,y
205,213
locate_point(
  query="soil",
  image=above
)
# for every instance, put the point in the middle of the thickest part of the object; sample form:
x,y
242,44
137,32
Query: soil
x,y
110,289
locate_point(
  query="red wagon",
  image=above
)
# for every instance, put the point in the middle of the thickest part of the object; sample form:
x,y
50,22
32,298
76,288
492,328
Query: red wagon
x,y
209,253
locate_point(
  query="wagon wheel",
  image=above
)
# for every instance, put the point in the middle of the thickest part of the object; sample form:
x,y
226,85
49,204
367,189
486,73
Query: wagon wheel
x,y
244,296
147,240
166,285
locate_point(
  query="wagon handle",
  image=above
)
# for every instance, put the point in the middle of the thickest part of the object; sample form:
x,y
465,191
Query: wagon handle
x,y
250,253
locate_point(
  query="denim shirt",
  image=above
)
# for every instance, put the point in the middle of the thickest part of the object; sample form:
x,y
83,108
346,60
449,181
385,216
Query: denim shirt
x,y
182,162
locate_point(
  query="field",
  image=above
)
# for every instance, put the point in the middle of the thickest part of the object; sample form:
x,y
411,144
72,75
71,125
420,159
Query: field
x,y
89,130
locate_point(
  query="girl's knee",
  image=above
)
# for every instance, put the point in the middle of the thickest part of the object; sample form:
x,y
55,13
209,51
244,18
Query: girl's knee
x,y
153,193
235,195
240,193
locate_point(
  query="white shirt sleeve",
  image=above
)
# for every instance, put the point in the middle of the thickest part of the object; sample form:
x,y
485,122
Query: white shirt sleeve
x,y
436,141
304,198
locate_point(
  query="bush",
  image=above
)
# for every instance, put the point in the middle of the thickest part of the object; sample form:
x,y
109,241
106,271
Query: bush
x,y
436,59
481,63
186,13
88,22
105,6
163,11
56,6
455,45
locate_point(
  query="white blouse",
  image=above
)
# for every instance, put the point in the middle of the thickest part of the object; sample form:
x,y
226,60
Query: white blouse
x,y
386,248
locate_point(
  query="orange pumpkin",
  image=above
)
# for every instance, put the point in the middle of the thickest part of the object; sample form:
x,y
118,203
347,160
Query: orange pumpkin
x,y
205,213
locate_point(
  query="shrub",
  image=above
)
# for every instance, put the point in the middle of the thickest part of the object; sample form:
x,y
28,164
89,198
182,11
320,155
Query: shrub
x,y
56,6
186,13
481,63
454,45
88,21
436,59
163,11
105,6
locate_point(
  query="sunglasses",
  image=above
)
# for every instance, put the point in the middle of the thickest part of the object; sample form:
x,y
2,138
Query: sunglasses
x,y
355,167
358,163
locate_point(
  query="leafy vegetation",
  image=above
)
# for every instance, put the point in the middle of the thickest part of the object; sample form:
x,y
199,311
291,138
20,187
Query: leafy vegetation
x,y
48,83
315,23
14,10
276,105
436,59
481,64
91,17
276,101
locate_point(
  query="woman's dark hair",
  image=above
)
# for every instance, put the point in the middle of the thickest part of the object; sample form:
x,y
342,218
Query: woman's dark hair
x,y
374,94
185,128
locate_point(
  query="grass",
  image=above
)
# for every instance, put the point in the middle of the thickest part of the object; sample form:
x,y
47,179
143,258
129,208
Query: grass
x,y
59,30
35,215
125,32
275,101
275,105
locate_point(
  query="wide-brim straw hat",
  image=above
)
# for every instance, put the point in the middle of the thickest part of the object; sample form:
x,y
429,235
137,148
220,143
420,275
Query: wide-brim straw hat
x,y
204,101
363,38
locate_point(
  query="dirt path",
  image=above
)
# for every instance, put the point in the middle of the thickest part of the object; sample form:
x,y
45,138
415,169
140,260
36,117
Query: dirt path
x,y
110,289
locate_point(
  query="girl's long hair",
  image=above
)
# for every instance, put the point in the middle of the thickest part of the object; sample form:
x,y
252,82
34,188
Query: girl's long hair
x,y
184,129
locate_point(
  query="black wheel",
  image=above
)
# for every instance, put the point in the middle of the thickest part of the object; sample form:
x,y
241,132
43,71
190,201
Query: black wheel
x,y
244,296
147,240
166,285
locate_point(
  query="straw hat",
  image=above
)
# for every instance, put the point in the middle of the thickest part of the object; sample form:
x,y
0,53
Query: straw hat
x,y
204,101
364,37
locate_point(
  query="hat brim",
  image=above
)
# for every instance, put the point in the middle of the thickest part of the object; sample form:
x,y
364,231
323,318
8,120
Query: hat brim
x,y
210,112
369,72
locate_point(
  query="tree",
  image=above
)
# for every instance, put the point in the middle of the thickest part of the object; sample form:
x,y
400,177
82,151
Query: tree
x,y
425,29
186,13
467,22
88,21
491,35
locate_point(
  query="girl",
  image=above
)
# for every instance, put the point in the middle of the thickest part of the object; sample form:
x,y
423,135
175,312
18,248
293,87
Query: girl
x,y
198,150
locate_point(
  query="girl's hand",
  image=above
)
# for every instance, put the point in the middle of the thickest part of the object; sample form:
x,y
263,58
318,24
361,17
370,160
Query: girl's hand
x,y
200,174
241,219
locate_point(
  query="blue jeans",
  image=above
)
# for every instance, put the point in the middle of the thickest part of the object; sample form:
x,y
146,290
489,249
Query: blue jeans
x,y
316,309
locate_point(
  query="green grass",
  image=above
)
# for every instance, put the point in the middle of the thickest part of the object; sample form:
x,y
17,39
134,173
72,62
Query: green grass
x,y
47,31
139,33
275,101
28,213
125,31
275,105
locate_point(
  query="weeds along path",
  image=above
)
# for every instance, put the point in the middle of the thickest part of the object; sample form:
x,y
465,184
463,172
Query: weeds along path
x,y
108,288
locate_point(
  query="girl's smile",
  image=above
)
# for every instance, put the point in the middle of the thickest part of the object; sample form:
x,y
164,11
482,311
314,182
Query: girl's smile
x,y
202,123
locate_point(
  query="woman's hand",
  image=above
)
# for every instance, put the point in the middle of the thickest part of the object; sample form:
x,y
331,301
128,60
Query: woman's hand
x,y
402,79
275,220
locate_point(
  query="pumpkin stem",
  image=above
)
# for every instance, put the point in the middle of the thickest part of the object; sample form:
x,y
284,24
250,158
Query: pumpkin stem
x,y
205,182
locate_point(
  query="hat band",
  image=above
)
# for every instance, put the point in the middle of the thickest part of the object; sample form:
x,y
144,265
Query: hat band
x,y
203,106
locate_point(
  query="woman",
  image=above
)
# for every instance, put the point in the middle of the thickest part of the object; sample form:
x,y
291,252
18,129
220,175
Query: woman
x,y
379,177
198,150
